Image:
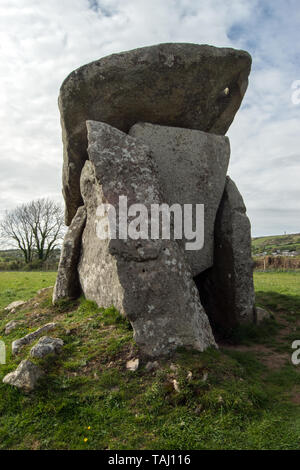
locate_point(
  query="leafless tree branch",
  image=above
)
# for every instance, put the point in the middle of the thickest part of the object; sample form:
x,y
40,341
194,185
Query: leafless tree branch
x,y
35,228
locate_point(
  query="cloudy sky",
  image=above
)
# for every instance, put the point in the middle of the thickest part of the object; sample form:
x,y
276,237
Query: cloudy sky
x,y
41,42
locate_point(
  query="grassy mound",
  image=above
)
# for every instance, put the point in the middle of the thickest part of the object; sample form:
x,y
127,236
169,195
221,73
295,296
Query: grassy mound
x,y
243,396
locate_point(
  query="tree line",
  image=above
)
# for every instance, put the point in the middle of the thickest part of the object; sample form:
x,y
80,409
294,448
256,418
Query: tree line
x,y
35,228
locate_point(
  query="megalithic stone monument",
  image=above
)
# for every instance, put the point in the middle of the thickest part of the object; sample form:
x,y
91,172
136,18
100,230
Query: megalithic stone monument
x,y
148,125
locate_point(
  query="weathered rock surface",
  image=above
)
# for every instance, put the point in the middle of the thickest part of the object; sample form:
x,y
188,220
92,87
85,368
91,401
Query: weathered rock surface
x,y
226,289
152,366
19,343
67,281
12,325
192,167
45,346
147,280
133,365
25,377
14,305
182,85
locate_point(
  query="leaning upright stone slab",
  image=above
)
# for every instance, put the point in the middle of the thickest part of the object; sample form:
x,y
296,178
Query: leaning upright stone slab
x,y
149,281
67,282
182,85
226,290
192,167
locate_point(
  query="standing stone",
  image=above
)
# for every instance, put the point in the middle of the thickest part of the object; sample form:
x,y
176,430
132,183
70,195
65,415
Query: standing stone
x,y
182,85
226,289
147,280
192,167
67,282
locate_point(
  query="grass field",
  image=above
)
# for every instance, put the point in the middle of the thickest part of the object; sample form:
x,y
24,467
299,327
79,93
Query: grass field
x,y
278,290
23,285
246,395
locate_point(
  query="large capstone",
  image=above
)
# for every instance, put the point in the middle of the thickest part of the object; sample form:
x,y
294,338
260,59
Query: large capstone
x,y
226,289
182,85
192,167
147,280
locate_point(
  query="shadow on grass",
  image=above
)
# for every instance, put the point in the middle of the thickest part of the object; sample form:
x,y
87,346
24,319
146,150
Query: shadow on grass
x,y
276,302
250,334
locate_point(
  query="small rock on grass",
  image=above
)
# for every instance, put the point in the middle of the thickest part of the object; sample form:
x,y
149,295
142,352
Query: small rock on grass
x,y
151,366
12,325
45,346
25,377
205,376
12,307
18,343
261,314
176,385
133,364
189,375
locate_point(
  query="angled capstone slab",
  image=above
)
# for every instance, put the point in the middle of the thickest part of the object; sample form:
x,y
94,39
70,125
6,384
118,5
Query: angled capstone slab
x,y
67,282
182,85
226,289
147,280
192,167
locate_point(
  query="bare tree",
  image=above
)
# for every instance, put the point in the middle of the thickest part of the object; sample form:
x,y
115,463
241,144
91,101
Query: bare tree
x,y
14,228
35,228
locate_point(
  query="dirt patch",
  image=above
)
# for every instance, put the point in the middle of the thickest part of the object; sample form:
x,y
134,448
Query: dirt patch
x,y
271,358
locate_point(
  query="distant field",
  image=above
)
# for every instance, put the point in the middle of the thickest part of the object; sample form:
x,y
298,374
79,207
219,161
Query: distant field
x,y
23,285
276,242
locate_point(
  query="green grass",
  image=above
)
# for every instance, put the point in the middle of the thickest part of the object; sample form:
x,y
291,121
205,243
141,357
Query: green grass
x,y
23,285
228,398
278,290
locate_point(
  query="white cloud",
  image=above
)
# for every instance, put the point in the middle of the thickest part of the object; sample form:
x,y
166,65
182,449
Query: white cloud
x,y
41,42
